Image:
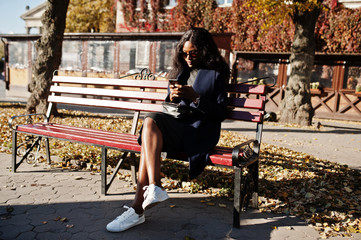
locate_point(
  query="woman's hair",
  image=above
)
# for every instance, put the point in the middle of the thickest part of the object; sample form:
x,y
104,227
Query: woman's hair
x,y
208,55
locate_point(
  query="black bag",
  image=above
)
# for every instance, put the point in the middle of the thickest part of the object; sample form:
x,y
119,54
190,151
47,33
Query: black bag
x,y
176,110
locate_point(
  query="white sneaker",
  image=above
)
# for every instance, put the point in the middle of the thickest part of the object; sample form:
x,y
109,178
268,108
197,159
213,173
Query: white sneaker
x,y
125,221
153,195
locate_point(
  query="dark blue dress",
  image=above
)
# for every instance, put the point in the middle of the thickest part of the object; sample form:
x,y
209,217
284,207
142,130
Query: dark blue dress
x,y
197,134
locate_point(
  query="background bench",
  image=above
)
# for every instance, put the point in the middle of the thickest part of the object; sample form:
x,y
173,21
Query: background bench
x,y
144,94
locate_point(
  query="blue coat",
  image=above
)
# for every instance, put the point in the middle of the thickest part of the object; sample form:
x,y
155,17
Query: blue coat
x,y
202,131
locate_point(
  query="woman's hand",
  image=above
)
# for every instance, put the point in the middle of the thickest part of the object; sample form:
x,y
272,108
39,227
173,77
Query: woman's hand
x,y
182,91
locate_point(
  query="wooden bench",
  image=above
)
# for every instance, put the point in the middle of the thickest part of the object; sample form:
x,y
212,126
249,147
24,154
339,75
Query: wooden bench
x,y
144,94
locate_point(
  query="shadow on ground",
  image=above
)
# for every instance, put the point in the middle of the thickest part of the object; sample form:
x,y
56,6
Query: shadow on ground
x,y
178,218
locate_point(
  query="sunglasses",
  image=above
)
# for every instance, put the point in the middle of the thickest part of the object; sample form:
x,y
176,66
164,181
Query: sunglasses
x,y
191,54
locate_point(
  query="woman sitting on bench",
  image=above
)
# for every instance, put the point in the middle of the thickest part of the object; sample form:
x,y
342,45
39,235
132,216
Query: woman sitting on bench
x,y
201,76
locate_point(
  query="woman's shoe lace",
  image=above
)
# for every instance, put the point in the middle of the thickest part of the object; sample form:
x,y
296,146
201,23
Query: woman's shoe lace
x,y
146,188
125,215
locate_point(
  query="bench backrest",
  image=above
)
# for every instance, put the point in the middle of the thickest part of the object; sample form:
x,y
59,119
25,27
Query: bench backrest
x,y
246,102
109,93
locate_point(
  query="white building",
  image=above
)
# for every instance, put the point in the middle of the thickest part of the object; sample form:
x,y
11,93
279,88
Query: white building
x,y
32,18
351,3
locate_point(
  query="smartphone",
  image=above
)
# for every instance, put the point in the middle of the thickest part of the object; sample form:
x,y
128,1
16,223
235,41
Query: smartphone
x,y
173,81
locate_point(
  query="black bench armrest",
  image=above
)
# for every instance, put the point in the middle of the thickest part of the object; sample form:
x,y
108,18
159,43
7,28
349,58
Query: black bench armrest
x,y
244,154
29,118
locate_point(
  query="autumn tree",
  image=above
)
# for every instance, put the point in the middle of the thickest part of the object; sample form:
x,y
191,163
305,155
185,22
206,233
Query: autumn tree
x,y
194,13
48,49
339,30
296,105
153,17
147,19
128,8
91,16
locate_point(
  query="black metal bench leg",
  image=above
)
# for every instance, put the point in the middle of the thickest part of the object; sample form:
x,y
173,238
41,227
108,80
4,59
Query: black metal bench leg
x,y
29,148
255,181
47,148
104,187
14,164
237,197
132,168
116,170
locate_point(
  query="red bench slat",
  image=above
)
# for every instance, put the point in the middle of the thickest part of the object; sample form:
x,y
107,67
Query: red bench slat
x,y
79,131
245,116
246,103
99,137
111,82
136,106
221,160
247,88
221,156
157,96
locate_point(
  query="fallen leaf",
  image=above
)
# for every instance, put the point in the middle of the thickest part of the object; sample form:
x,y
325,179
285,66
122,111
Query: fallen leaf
x,y
9,209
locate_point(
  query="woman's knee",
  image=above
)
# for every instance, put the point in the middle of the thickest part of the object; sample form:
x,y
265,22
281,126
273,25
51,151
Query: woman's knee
x,y
150,127
148,121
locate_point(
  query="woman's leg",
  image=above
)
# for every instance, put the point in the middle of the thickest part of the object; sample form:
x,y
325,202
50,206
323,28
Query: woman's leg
x,y
152,140
149,165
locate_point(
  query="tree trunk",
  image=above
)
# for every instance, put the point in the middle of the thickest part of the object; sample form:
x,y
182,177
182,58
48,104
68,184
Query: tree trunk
x,y
48,48
296,106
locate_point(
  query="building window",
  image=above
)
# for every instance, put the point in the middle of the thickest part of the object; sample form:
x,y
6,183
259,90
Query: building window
x,y
100,56
321,76
170,3
352,78
142,54
18,54
256,68
71,55
224,3
164,55
167,4
127,50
